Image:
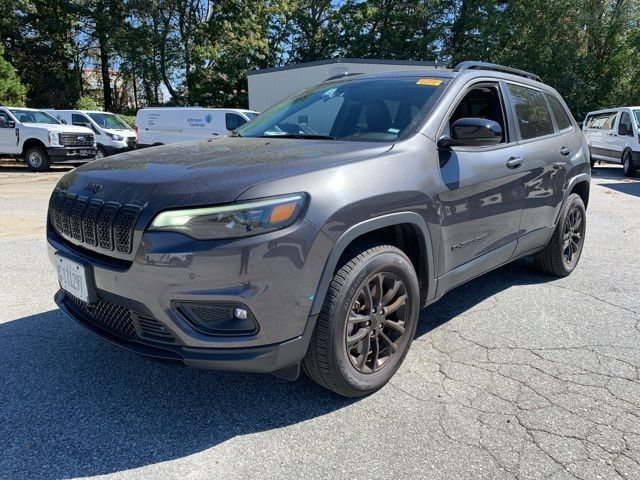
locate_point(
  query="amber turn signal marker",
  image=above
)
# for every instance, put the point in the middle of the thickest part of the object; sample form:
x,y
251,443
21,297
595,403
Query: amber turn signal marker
x,y
282,212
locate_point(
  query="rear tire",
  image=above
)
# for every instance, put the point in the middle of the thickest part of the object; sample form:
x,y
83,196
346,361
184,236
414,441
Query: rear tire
x,y
561,255
627,165
37,159
367,323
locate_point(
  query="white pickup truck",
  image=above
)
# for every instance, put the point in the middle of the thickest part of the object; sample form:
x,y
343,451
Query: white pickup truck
x,y
38,139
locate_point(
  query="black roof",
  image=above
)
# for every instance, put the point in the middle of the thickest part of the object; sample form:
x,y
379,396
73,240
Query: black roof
x,y
328,61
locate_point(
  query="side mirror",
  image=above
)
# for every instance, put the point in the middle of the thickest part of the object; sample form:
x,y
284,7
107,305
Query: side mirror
x,y
473,132
63,121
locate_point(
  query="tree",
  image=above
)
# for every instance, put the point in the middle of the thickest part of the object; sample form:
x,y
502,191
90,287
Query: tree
x,y
407,30
41,45
86,103
12,92
313,29
235,38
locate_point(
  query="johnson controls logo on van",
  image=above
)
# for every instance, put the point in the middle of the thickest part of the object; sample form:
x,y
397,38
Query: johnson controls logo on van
x,y
195,122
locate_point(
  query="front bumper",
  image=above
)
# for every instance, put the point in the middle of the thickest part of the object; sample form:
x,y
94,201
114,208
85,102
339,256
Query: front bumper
x,y
71,154
260,359
275,275
113,150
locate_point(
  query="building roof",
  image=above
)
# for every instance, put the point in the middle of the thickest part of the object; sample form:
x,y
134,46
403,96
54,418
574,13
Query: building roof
x,y
329,61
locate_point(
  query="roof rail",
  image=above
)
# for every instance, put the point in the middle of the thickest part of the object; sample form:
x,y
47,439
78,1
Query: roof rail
x,y
470,65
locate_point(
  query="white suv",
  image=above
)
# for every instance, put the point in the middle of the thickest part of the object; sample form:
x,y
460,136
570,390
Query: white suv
x,y
614,137
38,139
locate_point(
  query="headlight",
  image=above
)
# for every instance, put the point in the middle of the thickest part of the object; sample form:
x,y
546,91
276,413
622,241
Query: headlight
x,y
115,137
232,221
54,139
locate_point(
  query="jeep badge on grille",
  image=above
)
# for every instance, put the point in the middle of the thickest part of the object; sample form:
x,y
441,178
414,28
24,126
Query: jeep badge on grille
x,y
92,187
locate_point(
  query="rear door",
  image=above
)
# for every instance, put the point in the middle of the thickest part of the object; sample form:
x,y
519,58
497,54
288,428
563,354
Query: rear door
x,y
598,128
624,134
610,149
482,201
550,141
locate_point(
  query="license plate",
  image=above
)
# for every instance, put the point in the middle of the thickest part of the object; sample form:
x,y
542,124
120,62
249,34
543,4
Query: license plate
x,y
85,152
73,278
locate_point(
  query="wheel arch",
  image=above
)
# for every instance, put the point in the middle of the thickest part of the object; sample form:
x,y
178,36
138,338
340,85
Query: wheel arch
x,y
582,186
405,230
32,142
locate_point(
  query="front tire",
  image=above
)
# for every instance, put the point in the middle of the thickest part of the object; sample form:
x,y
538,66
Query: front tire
x,y
627,165
37,159
561,255
100,153
367,323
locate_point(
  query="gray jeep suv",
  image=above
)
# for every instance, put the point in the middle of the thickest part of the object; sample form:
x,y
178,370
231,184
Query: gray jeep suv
x,y
313,235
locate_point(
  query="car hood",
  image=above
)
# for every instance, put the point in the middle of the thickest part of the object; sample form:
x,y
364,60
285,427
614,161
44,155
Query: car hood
x,y
48,127
207,172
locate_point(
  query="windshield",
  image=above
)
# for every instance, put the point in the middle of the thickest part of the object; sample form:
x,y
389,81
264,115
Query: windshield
x,y
32,116
376,109
250,115
636,113
109,120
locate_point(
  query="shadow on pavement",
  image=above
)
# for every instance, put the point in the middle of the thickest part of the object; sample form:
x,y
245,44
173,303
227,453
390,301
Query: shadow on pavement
x,y
630,188
72,405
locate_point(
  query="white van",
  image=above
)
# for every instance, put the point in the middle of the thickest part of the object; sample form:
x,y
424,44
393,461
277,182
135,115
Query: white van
x,y
113,135
613,136
160,126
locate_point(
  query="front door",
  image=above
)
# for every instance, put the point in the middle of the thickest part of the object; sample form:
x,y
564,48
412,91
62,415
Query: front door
x,y
8,138
481,205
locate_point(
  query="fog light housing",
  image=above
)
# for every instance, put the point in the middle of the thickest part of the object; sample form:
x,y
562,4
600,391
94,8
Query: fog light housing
x,y
219,318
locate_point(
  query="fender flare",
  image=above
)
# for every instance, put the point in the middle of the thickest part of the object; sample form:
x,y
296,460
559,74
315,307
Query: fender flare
x,y
367,226
581,177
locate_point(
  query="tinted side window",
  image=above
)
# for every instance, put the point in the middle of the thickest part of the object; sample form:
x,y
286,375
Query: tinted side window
x,y
562,118
79,120
624,127
482,101
233,121
534,118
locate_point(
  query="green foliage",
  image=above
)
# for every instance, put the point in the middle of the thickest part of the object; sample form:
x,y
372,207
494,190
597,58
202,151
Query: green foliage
x,y
86,103
12,92
130,119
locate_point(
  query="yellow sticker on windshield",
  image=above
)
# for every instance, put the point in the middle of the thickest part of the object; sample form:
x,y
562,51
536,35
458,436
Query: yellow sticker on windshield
x,y
429,81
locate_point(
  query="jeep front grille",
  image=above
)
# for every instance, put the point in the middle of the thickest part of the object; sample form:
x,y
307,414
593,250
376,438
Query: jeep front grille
x,y
93,223
77,139
119,319
104,314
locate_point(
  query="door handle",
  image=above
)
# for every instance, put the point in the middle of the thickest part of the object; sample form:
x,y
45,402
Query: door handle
x,y
515,162
215,134
565,151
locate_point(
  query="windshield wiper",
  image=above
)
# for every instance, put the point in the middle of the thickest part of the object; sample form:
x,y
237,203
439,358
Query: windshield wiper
x,y
306,136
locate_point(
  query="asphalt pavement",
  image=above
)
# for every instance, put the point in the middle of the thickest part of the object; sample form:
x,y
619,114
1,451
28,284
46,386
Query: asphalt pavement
x,y
513,375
